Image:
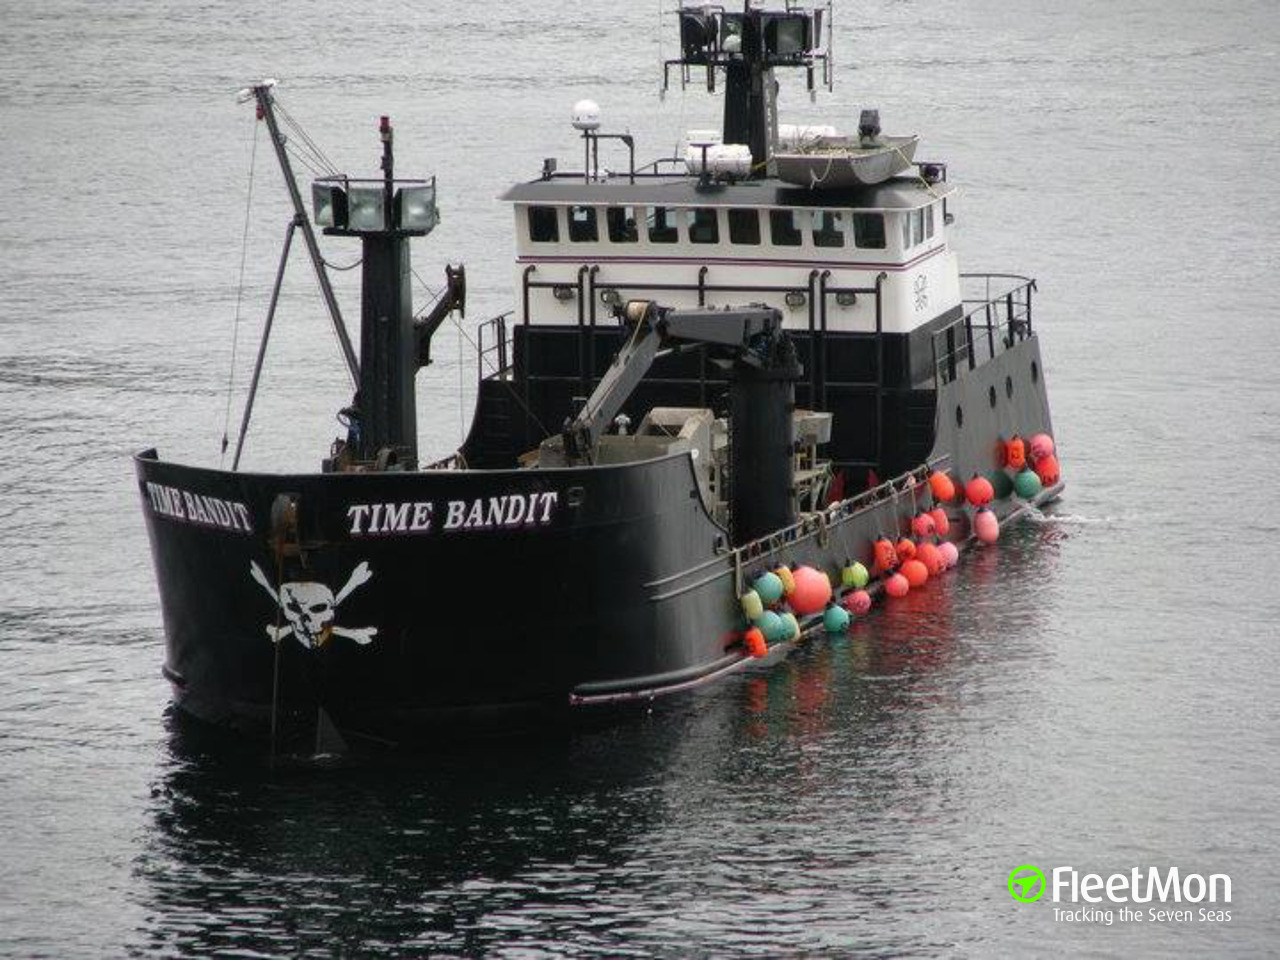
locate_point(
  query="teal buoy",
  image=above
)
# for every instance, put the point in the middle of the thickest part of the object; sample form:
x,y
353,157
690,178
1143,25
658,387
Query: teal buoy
x,y
791,626
773,627
836,619
769,587
1027,484
1001,484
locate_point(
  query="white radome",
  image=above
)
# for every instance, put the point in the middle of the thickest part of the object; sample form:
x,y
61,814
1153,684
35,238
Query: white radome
x,y
586,115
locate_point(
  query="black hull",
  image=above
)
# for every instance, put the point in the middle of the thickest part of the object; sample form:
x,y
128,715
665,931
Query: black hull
x,y
572,588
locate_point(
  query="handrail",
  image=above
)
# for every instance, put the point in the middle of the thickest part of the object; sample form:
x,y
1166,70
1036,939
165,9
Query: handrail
x,y
1013,301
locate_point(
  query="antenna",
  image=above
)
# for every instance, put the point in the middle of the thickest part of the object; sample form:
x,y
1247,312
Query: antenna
x,y
748,46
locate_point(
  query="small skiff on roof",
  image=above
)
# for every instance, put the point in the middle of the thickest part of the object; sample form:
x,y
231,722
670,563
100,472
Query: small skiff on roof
x,y
834,162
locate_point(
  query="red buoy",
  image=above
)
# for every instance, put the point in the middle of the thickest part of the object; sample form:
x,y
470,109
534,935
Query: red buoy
x,y
941,486
979,491
1015,453
755,642
858,602
941,522
812,591
905,550
931,557
916,573
897,586
923,526
885,556
1047,470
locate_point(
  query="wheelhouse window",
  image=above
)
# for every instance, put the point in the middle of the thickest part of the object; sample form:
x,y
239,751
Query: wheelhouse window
x,y
917,226
582,225
868,230
662,225
744,226
622,224
704,227
928,222
906,229
544,226
828,229
784,228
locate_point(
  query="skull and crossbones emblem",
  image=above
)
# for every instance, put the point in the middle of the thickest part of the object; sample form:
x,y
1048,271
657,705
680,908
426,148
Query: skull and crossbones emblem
x,y
310,608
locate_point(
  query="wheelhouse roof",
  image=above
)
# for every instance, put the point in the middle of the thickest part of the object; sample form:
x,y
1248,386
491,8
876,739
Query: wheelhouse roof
x,y
899,193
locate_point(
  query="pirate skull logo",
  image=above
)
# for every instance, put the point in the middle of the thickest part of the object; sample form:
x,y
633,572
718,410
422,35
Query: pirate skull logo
x,y
310,608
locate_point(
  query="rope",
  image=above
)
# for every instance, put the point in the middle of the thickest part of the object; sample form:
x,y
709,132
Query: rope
x,y
235,326
474,346
349,266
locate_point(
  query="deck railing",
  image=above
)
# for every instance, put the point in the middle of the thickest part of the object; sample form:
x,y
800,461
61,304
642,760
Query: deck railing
x,y
997,314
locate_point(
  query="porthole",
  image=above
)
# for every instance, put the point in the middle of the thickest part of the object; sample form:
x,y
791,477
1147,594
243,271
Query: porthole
x,y
959,415
1035,372
1008,387
991,396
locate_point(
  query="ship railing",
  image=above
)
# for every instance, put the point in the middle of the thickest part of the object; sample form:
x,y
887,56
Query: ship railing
x,y
825,523
996,315
493,348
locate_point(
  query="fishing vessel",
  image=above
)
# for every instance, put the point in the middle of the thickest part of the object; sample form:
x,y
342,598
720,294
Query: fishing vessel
x,y
732,402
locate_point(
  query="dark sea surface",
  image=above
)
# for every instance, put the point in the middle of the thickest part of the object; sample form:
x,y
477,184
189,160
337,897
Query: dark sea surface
x,y
1100,690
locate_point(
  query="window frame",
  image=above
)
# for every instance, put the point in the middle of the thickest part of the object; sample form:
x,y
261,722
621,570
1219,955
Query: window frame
x,y
593,220
815,217
691,214
621,210
555,222
671,219
794,213
754,212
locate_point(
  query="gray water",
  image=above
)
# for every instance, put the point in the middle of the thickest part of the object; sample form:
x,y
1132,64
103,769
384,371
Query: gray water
x,y
1099,690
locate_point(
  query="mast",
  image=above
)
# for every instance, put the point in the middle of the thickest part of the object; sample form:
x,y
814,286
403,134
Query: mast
x,y
748,47
266,110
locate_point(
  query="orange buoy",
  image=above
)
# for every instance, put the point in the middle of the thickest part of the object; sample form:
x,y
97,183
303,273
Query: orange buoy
x,y
923,526
812,591
905,550
931,557
1040,446
1015,453
755,643
916,573
941,522
858,602
1047,470
986,527
897,586
979,491
885,556
941,486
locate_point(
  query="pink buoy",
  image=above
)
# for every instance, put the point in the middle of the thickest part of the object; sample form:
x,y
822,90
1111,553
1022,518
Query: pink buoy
x,y
858,602
923,526
1040,446
941,522
950,553
812,592
979,491
986,527
897,586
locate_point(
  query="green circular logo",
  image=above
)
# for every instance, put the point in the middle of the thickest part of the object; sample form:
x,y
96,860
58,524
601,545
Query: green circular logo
x,y
1025,879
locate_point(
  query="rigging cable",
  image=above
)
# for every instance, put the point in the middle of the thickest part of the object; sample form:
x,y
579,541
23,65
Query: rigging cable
x,y
235,327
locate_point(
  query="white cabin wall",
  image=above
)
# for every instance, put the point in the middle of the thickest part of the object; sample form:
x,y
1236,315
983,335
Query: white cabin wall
x,y
921,282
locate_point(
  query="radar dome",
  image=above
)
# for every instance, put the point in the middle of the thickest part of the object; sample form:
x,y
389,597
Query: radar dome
x,y
586,115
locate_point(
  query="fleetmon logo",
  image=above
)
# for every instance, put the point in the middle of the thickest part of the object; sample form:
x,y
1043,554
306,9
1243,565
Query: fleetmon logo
x,y
1026,883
